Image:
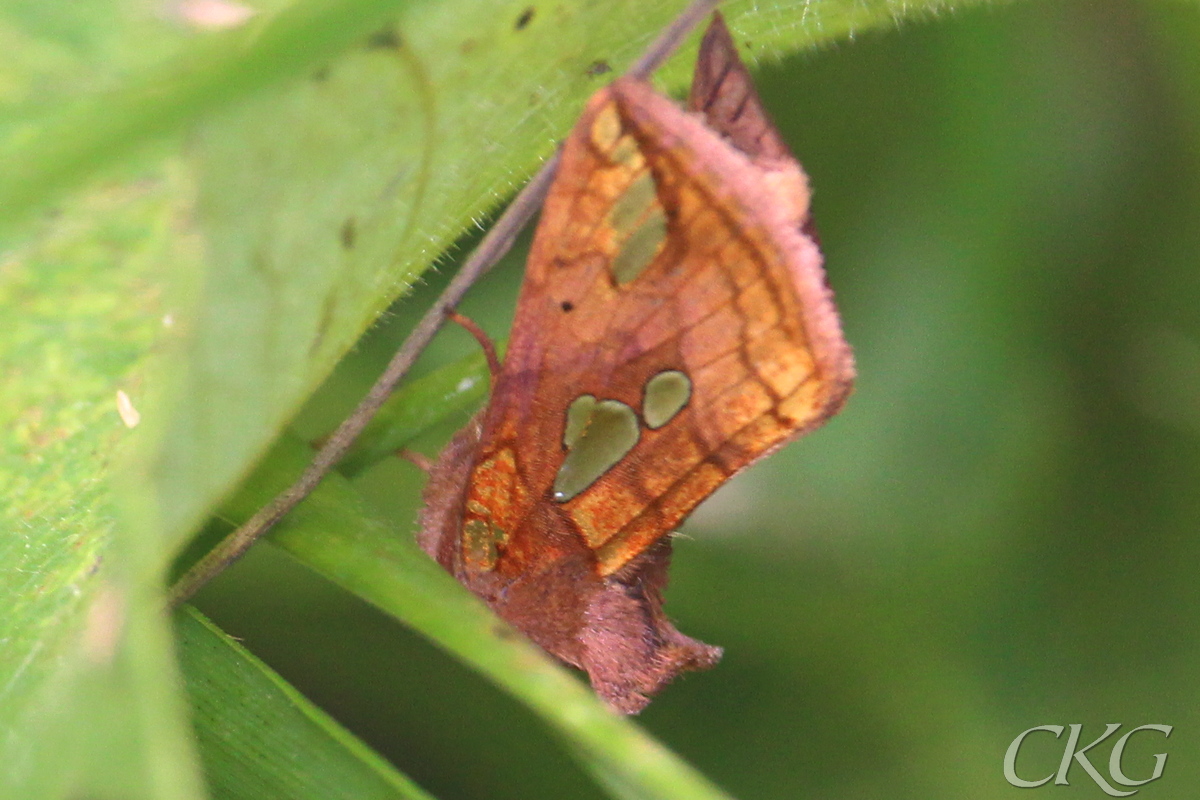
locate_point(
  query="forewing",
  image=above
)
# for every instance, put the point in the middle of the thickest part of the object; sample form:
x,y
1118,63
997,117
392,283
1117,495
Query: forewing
x,y
665,257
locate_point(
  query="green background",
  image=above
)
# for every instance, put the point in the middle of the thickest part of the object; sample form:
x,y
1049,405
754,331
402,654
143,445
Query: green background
x,y
998,532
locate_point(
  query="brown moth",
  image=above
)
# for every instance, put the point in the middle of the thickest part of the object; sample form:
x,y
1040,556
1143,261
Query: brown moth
x,y
673,327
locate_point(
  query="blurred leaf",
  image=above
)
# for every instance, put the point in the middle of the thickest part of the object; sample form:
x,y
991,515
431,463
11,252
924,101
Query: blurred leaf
x,y
258,737
89,705
213,71
80,311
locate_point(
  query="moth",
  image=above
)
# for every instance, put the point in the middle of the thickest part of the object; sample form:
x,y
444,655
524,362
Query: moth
x,y
674,326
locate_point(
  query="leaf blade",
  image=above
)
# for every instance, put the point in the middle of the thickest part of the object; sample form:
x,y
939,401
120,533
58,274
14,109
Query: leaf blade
x,y
251,724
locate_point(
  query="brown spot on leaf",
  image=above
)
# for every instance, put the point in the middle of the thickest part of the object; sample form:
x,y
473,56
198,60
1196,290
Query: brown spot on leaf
x,y
384,39
525,18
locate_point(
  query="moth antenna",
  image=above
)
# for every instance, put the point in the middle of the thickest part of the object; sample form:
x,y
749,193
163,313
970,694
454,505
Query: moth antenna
x,y
485,341
418,460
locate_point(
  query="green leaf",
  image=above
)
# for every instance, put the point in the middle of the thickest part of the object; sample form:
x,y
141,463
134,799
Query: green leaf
x,y
416,407
89,705
215,70
258,737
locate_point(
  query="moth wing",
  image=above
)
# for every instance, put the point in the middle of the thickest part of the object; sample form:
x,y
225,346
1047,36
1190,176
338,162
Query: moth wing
x,y
724,92
664,253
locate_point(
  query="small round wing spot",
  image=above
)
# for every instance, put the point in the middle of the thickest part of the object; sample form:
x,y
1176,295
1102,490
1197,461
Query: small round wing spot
x,y
666,395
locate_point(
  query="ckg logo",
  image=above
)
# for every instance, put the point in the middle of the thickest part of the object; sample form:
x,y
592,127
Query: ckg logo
x,y
1074,753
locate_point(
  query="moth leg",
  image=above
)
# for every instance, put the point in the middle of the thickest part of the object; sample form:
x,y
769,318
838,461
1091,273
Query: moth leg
x,y
485,341
418,460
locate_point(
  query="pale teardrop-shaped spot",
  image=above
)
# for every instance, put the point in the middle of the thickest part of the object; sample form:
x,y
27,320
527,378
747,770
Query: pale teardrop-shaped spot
x,y
578,414
606,128
610,431
634,202
481,542
641,247
625,151
666,395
